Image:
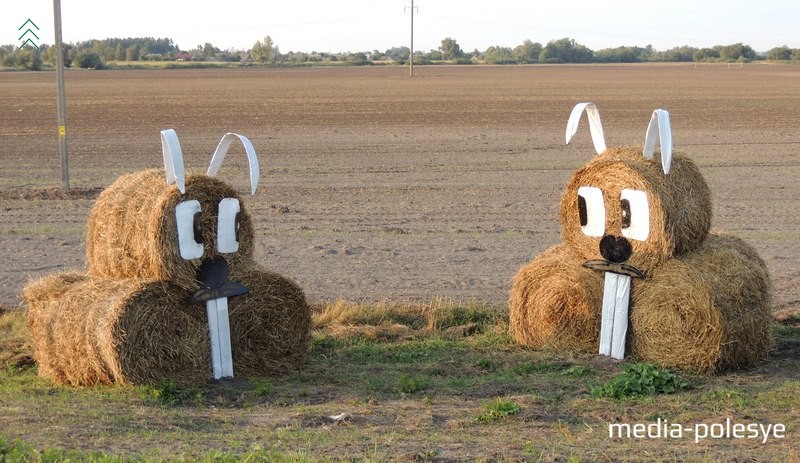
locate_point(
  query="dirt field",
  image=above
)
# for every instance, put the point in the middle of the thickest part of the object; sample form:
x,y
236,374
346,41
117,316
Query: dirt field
x,y
377,186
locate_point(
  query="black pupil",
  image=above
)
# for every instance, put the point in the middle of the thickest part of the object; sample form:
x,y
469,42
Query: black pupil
x,y
582,210
238,223
626,213
198,228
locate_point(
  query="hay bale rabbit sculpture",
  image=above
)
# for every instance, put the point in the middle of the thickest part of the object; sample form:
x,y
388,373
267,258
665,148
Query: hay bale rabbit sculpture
x,y
157,252
637,252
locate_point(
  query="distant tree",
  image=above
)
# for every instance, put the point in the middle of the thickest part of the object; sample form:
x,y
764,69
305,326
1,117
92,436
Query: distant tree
x,y
565,50
28,58
622,55
265,52
399,54
684,53
528,52
132,53
450,49
209,51
499,55
705,54
434,55
780,53
358,59
796,54
90,60
735,52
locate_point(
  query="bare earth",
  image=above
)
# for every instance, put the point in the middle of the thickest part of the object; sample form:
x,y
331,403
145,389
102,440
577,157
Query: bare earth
x,y
376,186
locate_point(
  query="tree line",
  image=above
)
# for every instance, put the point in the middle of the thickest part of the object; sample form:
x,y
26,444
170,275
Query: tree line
x,y
96,54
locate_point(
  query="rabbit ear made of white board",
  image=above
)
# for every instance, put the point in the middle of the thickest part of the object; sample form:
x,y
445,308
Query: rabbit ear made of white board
x,y
222,150
659,129
595,126
173,159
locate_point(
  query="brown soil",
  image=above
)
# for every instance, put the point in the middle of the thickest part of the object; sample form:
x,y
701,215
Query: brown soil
x,y
378,186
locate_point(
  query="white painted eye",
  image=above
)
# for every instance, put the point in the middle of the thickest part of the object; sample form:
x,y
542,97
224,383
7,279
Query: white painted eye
x,y
635,214
190,237
228,226
592,211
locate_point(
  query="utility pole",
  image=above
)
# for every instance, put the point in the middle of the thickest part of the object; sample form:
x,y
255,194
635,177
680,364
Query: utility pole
x,y
62,104
411,52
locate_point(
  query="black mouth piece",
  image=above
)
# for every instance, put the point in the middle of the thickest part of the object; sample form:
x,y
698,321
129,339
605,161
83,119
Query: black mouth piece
x,y
614,267
213,274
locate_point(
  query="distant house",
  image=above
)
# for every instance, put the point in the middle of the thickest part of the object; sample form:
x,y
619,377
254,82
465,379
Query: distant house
x,y
183,56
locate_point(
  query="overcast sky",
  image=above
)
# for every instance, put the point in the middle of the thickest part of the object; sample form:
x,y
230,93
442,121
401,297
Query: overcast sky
x,y
363,25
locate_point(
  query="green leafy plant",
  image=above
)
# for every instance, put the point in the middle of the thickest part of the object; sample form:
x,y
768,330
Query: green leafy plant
x,y
167,392
498,410
409,385
261,387
638,380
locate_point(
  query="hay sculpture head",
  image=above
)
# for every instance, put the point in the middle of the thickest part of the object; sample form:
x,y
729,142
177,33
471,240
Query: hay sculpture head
x,y
637,250
145,227
648,212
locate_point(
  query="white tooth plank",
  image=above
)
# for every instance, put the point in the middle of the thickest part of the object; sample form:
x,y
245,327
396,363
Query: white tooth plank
x,y
614,316
220,336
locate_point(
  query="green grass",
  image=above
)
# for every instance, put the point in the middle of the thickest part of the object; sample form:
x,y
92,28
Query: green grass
x,y
498,410
426,392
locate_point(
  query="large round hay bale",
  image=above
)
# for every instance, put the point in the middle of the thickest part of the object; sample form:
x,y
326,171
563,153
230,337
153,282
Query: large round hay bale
x,y
707,311
680,205
101,331
555,302
89,330
132,230
270,325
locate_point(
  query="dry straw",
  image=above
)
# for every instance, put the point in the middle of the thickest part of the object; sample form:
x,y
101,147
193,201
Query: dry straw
x,y
555,302
680,205
129,319
131,231
88,330
704,304
708,311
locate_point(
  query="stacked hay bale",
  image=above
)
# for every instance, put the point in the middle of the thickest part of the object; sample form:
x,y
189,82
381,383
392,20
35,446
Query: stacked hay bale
x,y
129,319
704,302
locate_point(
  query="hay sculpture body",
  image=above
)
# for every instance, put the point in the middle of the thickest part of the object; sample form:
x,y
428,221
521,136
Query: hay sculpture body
x,y
135,316
702,302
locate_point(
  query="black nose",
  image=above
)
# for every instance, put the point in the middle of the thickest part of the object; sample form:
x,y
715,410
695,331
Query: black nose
x,y
213,275
615,248
213,271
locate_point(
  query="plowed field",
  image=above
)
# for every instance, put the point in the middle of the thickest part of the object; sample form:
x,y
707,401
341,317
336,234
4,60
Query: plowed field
x,y
377,186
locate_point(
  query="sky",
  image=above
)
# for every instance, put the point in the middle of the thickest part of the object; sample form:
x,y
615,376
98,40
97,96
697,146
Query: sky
x,y
365,25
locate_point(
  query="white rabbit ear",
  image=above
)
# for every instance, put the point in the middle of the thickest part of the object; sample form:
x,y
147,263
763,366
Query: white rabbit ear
x,y
659,129
173,159
222,150
595,126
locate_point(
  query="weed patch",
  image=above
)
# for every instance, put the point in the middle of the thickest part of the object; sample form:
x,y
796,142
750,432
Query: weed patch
x,y
638,380
498,410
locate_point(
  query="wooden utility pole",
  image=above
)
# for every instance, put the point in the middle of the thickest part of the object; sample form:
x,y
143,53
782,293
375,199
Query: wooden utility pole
x,y
62,104
411,52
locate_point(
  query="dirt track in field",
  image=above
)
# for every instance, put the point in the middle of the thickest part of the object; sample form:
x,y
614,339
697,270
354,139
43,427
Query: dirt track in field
x,y
377,186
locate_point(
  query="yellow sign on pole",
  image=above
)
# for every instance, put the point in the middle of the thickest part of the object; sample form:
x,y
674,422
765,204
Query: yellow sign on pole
x,y
62,131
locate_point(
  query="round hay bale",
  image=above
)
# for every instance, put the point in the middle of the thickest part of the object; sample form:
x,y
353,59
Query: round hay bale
x,y
132,230
270,325
555,302
100,331
680,205
90,331
38,295
707,311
